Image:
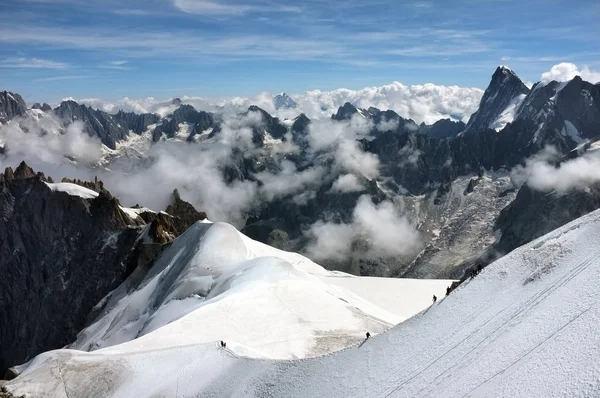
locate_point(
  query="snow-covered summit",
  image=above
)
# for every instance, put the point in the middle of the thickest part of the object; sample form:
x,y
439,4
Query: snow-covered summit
x,y
214,284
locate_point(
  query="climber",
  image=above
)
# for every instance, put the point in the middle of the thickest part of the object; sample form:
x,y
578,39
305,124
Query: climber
x,y
448,290
368,335
223,344
434,298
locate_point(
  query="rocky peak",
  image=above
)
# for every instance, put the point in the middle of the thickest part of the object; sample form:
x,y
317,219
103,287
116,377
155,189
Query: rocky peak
x,y
504,90
345,112
45,107
268,124
24,171
184,210
283,101
96,123
11,105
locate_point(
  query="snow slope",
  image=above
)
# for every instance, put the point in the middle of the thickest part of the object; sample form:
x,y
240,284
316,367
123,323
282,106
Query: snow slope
x,y
215,284
527,326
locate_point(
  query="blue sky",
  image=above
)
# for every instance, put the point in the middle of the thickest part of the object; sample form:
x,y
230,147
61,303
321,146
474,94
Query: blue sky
x,y
50,49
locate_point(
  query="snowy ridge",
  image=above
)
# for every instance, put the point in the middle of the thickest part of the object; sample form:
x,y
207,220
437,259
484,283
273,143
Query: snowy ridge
x,y
208,284
73,189
526,327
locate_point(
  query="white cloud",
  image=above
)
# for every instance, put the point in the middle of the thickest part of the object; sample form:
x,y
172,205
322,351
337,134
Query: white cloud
x,y
351,158
566,71
541,174
116,65
42,141
386,232
423,103
289,180
347,183
31,63
385,125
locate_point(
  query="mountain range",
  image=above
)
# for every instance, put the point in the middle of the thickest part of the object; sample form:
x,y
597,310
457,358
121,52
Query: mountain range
x,y
366,192
452,180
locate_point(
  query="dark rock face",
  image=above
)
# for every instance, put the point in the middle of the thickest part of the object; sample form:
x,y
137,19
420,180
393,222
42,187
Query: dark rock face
x,y
534,213
502,90
11,105
443,128
134,122
60,254
95,123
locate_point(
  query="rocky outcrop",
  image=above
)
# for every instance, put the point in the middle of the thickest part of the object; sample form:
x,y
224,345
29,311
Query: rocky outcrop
x,y
11,105
183,210
60,254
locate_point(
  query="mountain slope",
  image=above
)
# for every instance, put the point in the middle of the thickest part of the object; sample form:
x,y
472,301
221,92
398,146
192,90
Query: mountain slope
x,y
526,326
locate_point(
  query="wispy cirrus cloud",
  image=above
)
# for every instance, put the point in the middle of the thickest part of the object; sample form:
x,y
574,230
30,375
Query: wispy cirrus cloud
x,y
132,12
58,78
115,65
183,43
31,63
231,8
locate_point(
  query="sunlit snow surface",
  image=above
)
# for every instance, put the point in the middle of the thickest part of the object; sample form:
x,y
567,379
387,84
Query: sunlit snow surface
x,y
73,189
527,326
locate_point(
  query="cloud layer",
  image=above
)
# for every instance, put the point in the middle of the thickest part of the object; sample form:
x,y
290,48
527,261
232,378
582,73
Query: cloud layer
x,y
541,173
422,103
386,232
